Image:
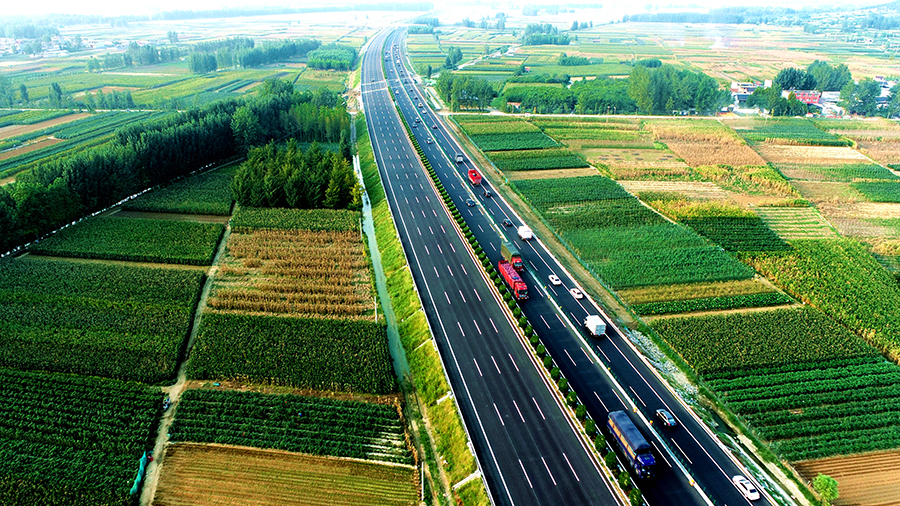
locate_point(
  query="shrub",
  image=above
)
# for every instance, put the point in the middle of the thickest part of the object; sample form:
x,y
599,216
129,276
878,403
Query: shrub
x,y
563,385
523,322
590,427
580,411
548,362
611,461
571,399
555,373
635,497
540,350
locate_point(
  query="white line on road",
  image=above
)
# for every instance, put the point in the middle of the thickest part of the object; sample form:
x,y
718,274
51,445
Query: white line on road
x,y
462,296
436,272
538,408
570,357
604,355
560,319
513,362
460,329
426,249
638,396
663,455
476,294
498,415
420,232
548,470
682,452
526,474
570,467
463,269
442,229
492,322
476,367
477,327
495,365
451,246
440,249
601,401
451,272
520,412
448,298
545,321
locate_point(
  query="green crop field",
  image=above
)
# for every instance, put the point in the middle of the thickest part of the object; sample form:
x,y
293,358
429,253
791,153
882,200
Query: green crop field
x,y
137,240
104,320
845,172
70,440
734,341
324,354
623,242
537,159
208,193
842,279
501,134
879,191
799,131
738,233
14,117
712,303
309,425
811,410
249,218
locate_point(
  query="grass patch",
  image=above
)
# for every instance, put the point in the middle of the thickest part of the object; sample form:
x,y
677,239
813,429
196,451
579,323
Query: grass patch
x,y
208,193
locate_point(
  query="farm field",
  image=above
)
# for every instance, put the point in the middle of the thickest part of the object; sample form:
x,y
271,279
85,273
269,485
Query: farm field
x,y
869,478
208,193
21,127
283,312
99,428
207,475
136,240
636,247
88,318
294,423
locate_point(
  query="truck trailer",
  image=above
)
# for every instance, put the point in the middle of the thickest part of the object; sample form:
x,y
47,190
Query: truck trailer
x,y
511,254
632,443
513,280
595,325
525,232
474,177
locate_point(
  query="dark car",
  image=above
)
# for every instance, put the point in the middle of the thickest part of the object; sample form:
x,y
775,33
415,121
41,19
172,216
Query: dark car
x,y
470,202
434,127
666,418
506,222
487,194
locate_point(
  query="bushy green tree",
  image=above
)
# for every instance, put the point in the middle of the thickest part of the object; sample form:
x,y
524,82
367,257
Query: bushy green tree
x,y
827,487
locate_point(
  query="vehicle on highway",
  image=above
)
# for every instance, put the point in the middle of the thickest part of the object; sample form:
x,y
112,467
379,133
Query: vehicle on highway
x,y
460,158
554,280
511,254
507,222
415,125
474,177
434,127
745,487
420,105
515,283
428,140
525,233
576,293
418,120
487,194
666,418
470,202
595,325
635,448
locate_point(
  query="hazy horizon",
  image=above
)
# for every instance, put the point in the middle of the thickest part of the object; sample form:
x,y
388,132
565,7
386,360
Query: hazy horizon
x,y
117,8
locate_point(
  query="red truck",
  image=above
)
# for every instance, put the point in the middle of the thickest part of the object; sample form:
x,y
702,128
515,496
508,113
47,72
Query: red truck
x,y
474,177
512,279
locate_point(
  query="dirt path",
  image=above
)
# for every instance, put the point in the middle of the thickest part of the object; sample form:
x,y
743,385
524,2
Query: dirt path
x,y
151,477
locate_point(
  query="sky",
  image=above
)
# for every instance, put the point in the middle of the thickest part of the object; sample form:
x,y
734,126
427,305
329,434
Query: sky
x,y
119,7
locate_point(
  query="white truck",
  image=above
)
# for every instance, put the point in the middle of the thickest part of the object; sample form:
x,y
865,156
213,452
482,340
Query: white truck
x,y
525,233
595,325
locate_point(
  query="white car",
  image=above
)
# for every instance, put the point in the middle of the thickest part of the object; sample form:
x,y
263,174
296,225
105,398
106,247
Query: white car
x,y
745,487
576,293
554,280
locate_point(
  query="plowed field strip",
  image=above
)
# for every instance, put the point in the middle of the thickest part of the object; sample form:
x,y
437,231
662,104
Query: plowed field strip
x,y
870,479
208,475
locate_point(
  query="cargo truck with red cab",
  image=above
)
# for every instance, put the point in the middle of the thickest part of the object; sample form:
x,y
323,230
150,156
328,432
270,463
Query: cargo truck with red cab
x,y
474,177
513,280
511,254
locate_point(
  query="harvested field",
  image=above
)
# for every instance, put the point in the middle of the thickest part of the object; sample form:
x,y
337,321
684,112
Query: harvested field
x,y
696,154
809,155
297,272
864,219
201,475
548,174
796,222
882,151
664,293
28,148
643,159
690,189
827,191
868,479
14,130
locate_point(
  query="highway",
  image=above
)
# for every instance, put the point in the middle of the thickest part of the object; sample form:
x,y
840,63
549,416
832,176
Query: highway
x,y
587,362
527,450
